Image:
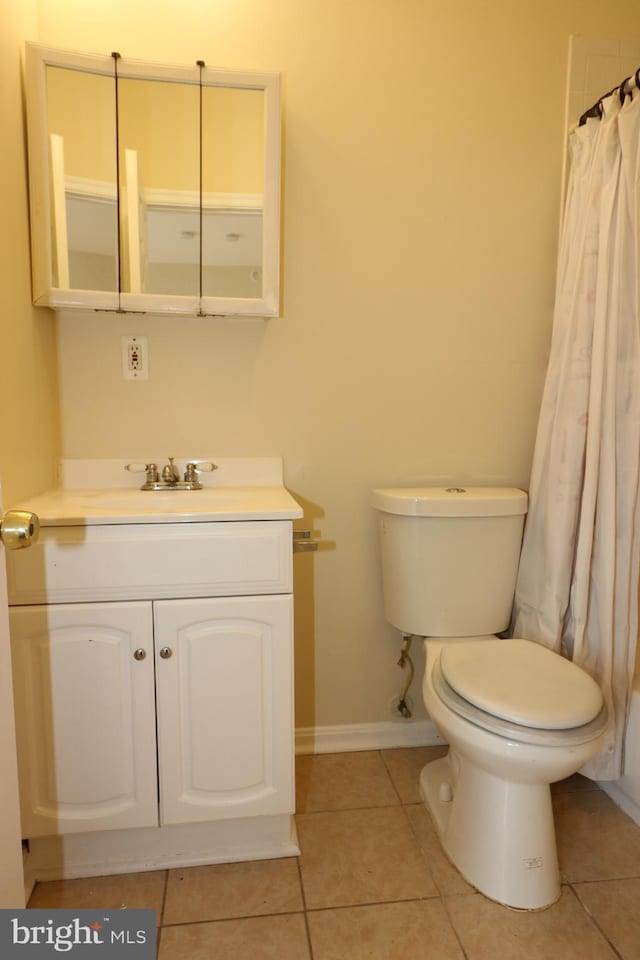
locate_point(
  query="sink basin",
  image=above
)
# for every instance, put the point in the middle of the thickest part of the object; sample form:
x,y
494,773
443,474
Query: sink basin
x,y
156,501
128,505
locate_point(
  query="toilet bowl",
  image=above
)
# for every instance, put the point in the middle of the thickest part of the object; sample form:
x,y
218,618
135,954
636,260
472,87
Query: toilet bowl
x,y
490,798
517,717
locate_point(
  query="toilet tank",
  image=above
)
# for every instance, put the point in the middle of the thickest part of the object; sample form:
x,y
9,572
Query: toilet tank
x,y
449,557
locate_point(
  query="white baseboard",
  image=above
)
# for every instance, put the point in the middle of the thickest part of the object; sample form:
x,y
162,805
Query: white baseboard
x,y
622,799
626,790
367,736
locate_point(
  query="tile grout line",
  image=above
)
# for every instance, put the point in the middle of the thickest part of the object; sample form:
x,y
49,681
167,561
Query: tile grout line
x,y
355,905
443,901
423,852
304,908
233,918
372,903
594,919
163,904
164,897
378,806
621,879
393,783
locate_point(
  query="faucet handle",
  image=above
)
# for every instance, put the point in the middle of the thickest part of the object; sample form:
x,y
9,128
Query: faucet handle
x,y
204,466
151,470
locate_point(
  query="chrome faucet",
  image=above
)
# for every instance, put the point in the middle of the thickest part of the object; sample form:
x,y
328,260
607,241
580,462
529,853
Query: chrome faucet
x,y
170,473
169,478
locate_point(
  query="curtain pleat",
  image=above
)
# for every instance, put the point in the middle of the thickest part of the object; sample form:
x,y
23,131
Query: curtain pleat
x,y
577,588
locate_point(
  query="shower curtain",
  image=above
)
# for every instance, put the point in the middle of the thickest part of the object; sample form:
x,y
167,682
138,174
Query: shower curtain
x,y
577,588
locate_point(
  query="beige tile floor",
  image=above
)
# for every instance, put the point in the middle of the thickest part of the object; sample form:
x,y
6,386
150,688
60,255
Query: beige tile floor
x,y
373,884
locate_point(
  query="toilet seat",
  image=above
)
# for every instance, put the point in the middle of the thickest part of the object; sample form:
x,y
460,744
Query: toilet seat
x,y
520,690
522,681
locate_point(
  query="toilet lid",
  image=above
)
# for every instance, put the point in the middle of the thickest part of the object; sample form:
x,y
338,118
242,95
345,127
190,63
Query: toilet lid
x,y
522,682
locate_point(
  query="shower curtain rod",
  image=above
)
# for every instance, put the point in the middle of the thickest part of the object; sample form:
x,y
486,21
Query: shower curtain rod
x,y
624,89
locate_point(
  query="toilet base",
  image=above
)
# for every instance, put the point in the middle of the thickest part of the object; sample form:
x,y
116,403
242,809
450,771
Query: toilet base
x,y
499,835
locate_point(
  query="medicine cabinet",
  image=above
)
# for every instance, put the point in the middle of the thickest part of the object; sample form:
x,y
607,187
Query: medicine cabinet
x,y
153,188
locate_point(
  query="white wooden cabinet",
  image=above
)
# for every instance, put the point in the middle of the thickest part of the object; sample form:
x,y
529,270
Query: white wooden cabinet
x,y
92,679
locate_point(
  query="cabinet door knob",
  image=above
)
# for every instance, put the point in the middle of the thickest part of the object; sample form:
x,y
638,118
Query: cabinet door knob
x,y
166,652
140,654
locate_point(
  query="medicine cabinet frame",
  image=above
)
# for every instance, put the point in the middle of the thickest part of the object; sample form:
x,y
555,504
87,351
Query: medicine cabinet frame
x,y
49,191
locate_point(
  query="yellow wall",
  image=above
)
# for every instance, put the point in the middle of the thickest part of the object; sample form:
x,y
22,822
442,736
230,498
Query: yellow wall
x,y
159,120
28,401
233,140
169,150
90,146
422,167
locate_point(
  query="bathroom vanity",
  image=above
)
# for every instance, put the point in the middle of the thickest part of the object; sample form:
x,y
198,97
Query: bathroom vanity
x,y
152,643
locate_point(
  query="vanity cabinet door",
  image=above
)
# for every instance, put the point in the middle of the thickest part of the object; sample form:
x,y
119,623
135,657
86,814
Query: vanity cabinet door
x,y
84,696
225,705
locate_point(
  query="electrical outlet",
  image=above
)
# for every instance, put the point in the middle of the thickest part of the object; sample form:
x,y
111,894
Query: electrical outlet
x,y
135,358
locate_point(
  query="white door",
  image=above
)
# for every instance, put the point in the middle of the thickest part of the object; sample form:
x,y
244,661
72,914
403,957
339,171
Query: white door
x,y
225,705
11,874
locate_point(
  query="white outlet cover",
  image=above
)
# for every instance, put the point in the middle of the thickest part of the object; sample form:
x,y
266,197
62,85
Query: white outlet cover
x,y
138,347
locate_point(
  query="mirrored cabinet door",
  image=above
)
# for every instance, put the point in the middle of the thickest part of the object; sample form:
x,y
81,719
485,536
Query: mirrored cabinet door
x,y
84,208
232,191
153,188
240,193
159,183
73,181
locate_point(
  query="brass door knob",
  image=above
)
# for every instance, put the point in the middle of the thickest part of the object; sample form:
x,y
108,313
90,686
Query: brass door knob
x,y
166,652
18,529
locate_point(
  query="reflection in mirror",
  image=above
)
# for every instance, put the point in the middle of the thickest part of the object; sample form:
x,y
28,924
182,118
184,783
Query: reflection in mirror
x,y
232,191
159,164
84,214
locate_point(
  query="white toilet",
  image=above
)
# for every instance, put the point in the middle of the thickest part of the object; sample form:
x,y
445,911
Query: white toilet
x,y
516,716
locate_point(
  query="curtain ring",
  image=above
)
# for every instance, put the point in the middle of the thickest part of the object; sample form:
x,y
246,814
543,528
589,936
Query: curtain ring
x,y
621,92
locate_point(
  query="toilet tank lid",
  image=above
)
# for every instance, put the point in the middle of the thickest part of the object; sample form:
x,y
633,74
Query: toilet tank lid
x,y
451,501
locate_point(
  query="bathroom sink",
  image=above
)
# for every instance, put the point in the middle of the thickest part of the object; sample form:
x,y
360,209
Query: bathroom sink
x,y
128,505
152,501
94,494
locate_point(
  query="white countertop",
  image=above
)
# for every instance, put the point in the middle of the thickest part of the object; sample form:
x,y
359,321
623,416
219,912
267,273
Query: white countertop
x,y
259,497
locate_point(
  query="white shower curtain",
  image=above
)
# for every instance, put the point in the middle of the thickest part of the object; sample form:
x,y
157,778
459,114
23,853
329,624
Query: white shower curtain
x,y
577,589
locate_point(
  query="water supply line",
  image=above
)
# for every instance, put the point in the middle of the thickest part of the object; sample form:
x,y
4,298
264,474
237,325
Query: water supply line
x,y
402,706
